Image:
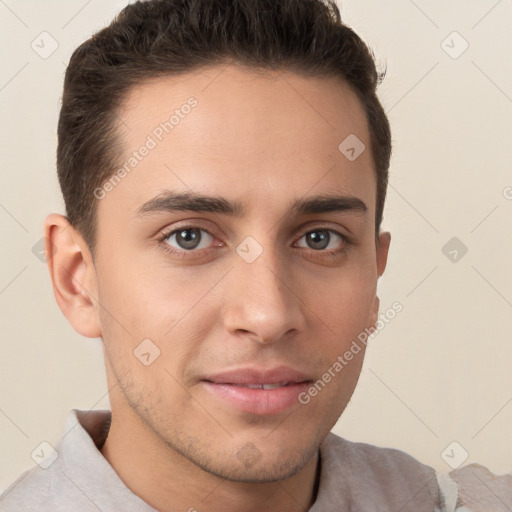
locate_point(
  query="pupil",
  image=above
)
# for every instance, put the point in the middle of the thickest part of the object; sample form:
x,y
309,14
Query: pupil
x,y
188,238
319,239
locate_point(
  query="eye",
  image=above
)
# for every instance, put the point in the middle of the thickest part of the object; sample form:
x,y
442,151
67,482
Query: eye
x,y
188,239
320,239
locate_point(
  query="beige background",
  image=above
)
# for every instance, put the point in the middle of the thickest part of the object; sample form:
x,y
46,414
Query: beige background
x,y
441,370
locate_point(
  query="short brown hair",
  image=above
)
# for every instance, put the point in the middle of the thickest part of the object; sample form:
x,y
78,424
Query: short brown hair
x,y
171,37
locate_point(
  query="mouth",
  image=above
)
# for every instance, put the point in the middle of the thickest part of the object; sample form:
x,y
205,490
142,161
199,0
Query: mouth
x,y
263,386
261,392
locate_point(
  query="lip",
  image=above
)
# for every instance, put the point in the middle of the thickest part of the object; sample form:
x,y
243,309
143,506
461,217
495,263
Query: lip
x,y
251,375
230,388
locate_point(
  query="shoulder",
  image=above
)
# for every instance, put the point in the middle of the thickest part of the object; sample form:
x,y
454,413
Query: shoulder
x,y
378,478
386,462
472,488
63,473
31,491
480,490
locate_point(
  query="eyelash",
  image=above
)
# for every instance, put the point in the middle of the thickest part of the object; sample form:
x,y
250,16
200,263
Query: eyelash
x,y
193,253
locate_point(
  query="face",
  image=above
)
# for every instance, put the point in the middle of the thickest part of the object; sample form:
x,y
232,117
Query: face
x,y
219,268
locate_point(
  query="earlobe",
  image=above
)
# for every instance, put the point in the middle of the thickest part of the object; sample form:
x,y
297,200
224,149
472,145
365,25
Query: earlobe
x,y
73,275
375,312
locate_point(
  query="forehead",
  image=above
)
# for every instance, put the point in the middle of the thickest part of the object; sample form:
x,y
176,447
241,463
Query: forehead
x,y
228,130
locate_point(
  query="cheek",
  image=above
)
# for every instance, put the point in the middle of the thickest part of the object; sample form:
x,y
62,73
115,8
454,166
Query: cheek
x,y
149,297
157,303
344,300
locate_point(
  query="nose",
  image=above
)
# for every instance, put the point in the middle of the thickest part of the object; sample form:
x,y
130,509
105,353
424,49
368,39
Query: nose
x,y
261,303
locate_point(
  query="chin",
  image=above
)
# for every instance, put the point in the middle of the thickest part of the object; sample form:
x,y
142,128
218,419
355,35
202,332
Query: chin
x,y
261,472
249,464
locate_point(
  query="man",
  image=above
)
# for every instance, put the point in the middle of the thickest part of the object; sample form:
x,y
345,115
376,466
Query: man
x,y
224,169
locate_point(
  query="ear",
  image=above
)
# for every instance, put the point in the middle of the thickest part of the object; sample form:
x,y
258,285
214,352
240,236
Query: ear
x,y
382,250
73,275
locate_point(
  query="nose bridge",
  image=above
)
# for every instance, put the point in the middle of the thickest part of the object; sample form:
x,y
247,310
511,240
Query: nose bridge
x,y
262,301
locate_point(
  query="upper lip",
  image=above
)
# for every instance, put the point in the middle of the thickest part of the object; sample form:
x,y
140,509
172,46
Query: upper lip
x,y
253,375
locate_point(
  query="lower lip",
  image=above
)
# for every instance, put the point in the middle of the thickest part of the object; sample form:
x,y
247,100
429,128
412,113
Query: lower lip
x,y
258,401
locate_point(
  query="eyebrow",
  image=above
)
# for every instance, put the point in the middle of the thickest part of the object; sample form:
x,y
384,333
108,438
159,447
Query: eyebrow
x,y
168,202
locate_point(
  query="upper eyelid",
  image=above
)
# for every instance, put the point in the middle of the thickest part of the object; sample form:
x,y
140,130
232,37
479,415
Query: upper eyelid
x,y
170,231
310,226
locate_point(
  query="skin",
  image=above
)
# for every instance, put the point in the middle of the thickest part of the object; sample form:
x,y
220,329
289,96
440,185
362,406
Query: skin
x,y
264,140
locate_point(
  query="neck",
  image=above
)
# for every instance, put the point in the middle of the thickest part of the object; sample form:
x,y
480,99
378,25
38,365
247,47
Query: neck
x,y
169,482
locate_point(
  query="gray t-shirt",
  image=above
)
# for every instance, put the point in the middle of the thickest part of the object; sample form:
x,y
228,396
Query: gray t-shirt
x,y
354,477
